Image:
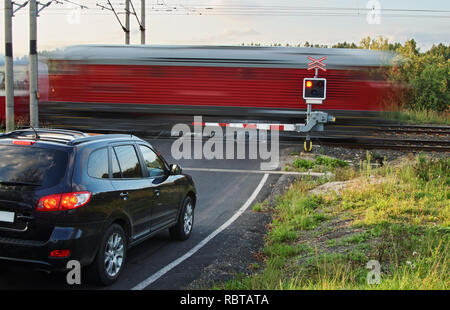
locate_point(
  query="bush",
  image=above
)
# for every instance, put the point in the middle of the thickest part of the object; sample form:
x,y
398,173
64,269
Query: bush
x,y
424,76
430,87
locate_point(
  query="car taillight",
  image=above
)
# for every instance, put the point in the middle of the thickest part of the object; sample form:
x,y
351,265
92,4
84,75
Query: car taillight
x,y
61,202
74,200
49,203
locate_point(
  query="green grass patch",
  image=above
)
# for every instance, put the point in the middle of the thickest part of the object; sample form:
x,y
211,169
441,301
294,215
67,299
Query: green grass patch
x,y
419,117
402,222
320,163
301,163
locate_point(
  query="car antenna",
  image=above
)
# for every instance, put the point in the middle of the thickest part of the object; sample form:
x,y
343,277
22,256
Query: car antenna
x,y
36,136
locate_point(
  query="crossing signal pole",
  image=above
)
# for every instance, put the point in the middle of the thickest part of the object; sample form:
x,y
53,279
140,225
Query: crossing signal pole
x,y
314,92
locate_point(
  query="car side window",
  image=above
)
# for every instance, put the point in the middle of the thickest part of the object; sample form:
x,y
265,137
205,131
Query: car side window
x,y
153,163
98,164
128,161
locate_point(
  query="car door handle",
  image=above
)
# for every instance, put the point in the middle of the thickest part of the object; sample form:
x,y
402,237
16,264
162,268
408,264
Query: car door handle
x,y
124,195
157,192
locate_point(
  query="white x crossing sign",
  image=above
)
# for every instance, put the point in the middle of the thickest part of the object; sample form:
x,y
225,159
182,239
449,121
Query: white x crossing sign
x,y
317,63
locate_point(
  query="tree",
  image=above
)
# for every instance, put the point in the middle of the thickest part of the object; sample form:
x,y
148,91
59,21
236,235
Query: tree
x,y
345,45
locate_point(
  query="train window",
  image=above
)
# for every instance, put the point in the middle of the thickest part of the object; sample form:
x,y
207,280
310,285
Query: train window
x,y
128,160
98,164
56,67
21,77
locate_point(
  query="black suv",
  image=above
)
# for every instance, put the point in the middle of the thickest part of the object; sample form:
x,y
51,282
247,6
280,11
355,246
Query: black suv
x,y
66,195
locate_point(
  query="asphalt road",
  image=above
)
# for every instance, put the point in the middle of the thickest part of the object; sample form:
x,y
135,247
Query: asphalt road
x,y
220,196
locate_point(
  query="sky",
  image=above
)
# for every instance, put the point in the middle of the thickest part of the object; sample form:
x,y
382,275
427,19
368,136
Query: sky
x,y
233,22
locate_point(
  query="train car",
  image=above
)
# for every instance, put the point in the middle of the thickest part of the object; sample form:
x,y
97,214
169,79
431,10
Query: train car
x,y
21,98
95,82
21,92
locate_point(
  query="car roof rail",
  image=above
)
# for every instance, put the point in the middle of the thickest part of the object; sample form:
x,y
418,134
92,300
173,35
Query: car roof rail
x,y
68,137
102,137
53,135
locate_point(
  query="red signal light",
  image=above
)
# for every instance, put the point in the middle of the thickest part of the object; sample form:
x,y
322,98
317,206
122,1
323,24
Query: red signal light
x,y
309,84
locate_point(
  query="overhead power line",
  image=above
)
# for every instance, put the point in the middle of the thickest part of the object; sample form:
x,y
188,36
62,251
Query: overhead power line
x,y
159,7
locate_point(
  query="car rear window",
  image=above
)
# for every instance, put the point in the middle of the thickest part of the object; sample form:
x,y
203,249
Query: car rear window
x,y
33,165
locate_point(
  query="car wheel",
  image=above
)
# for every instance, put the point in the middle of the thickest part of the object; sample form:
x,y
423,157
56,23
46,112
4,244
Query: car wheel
x,y
183,229
110,259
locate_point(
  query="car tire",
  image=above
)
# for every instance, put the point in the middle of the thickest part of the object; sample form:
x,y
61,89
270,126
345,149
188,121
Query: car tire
x,y
111,257
183,229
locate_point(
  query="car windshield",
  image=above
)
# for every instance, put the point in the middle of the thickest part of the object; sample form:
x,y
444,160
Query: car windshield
x,y
29,165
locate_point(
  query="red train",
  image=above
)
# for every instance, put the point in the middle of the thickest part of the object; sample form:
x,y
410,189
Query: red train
x,y
21,99
21,92
90,83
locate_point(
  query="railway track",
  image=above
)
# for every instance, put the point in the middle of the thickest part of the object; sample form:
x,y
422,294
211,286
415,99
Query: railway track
x,y
435,145
387,143
395,136
415,129
381,136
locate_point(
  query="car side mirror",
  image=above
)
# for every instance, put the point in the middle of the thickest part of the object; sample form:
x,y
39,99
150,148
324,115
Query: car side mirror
x,y
175,169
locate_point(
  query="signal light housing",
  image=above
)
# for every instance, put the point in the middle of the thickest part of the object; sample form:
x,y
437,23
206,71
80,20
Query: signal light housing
x,y
314,88
62,202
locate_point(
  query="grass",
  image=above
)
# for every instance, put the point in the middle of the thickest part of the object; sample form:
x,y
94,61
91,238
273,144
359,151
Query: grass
x,y
320,163
325,241
419,117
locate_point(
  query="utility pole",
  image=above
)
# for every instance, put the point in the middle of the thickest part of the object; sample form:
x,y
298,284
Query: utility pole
x,y
127,22
142,22
33,70
9,73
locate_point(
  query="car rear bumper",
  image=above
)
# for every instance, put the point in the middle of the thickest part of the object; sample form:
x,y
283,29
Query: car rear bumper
x,y
82,241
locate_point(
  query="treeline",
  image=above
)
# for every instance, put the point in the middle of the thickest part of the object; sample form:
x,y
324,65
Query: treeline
x,y
424,75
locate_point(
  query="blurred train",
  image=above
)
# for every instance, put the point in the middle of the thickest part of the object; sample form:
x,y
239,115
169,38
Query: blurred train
x,y
21,99
134,84
21,91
